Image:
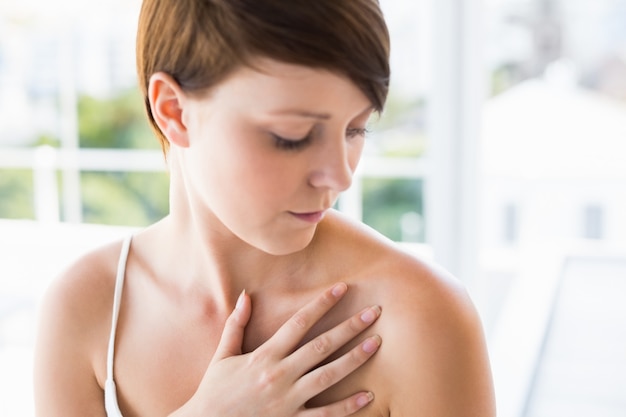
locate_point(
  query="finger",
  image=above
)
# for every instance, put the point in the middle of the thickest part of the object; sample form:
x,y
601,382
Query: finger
x,y
291,333
232,335
318,349
328,375
341,408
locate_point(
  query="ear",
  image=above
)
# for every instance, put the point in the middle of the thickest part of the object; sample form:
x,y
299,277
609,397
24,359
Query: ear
x,y
166,103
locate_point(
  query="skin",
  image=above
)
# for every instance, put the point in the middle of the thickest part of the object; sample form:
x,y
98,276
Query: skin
x,y
248,212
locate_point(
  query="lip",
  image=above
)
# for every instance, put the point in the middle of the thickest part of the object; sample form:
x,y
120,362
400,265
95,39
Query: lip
x,y
312,217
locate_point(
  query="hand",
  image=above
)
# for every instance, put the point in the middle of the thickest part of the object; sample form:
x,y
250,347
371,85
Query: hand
x,y
274,380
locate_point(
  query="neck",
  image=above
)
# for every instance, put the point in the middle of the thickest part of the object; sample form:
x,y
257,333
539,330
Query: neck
x,y
210,261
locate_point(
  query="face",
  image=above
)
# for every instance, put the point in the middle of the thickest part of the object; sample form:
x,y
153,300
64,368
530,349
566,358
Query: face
x,y
269,151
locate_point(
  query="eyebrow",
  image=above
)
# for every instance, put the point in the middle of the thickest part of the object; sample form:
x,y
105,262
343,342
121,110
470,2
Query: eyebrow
x,y
302,113
312,115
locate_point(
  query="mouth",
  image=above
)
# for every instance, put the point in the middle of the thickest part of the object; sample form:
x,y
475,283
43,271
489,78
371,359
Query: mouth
x,y
312,217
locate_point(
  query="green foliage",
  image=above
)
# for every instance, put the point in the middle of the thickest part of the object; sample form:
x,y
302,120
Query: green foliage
x,y
118,122
16,194
133,199
47,139
386,201
129,199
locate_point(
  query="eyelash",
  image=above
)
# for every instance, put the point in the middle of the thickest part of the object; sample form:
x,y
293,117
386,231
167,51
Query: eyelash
x,y
296,144
357,131
291,144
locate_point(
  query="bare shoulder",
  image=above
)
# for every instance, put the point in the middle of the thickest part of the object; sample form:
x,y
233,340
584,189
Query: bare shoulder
x,y
416,290
433,357
434,349
412,280
84,289
74,322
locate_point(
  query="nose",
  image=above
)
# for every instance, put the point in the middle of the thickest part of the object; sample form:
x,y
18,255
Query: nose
x,y
334,166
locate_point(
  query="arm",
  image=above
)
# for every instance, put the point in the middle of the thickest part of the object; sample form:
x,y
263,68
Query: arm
x,y
440,367
64,379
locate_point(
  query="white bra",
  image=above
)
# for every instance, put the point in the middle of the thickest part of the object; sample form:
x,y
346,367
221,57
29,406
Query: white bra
x,y
110,392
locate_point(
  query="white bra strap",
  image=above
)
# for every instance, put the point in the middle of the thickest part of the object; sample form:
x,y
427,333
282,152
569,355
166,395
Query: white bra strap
x,y
117,300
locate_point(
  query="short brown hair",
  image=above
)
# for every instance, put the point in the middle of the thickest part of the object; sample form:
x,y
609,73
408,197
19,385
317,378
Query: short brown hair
x,y
200,42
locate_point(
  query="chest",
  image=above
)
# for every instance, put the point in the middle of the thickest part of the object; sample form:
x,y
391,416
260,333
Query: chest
x,y
161,356
158,362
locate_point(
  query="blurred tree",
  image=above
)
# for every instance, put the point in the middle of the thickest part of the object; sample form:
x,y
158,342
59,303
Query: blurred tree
x,y
128,199
387,201
399,132
16,194
16,187
118,122
134,199
47,139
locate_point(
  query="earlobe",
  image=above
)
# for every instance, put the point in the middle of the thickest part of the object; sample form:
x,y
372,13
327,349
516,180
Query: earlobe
x,y
166,104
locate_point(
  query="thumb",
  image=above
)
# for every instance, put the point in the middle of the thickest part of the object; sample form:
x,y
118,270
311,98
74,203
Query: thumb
x,y
232,335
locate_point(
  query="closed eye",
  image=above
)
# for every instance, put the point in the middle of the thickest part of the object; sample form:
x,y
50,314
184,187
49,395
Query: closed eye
x,y
291,144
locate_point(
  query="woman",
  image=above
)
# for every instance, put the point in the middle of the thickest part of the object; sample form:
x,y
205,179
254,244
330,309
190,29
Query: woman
x,y
261,107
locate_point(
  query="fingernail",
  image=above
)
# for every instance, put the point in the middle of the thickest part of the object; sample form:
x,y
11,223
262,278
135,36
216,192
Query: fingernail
x,y
371,314
364,399
240,300
339,289
372,344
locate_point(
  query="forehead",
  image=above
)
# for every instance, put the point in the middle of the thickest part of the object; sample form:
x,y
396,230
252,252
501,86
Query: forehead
x,y
273,84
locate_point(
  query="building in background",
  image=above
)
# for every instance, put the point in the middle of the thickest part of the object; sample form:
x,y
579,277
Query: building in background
x,y
553,166
523,37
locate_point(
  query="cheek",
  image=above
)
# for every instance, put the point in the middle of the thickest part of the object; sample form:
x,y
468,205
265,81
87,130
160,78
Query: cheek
x,y
269,179
244,172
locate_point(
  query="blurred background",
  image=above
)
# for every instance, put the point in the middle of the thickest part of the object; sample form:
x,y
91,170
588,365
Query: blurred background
x,y
501,154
